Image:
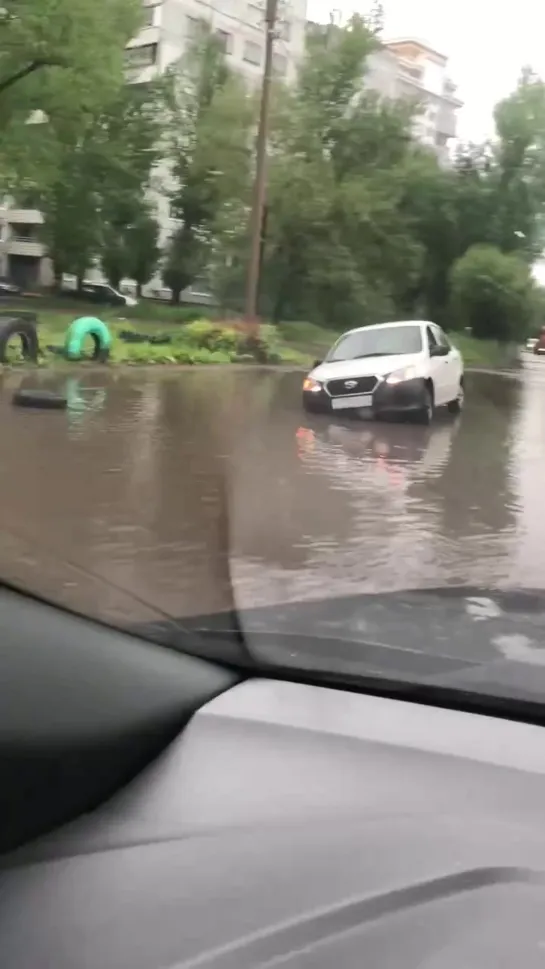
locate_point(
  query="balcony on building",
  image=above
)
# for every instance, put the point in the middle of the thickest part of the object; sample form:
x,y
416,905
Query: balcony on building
x,y
446,122
23,239
449,92
411,72
17,216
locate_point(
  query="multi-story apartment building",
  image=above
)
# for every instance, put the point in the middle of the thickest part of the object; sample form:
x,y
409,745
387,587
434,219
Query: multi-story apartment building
x,y
170,26
411,69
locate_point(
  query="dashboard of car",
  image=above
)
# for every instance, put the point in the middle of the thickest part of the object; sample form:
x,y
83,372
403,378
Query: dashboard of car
x,y
280,824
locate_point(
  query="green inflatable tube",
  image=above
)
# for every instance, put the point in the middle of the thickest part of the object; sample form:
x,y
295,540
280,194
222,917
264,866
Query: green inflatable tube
x,y
88,326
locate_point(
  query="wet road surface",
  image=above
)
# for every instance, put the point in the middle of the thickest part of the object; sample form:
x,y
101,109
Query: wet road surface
x,y
184,492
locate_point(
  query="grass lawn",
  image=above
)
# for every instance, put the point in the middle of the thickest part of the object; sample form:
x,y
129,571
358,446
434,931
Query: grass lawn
x,y
184,344
294,343
487,354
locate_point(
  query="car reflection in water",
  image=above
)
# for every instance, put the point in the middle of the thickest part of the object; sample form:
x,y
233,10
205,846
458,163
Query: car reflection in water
x,y
387,455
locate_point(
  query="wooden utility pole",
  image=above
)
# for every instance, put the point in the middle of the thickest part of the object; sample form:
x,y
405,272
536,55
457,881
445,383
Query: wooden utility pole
x,y
260,183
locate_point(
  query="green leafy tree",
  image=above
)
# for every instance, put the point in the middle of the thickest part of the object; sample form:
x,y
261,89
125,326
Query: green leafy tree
x,y
519,168
102,174
209,141
130,247
492,195
362,223
338,247
143,243
493,293
58,58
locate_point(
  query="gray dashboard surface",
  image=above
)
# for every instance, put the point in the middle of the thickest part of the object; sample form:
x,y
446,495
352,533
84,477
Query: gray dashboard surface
x,y
299,826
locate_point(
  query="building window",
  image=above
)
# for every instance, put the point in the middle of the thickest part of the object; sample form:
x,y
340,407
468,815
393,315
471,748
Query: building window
x,y
415,72
284,30
441,139
195,27
148,17
226,40
255,15
252,52
280,65
136,58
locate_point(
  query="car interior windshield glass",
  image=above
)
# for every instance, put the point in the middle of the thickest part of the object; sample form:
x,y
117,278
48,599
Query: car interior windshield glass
x,y
375,341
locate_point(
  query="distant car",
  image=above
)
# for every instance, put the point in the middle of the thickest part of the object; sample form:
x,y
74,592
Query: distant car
x,y
8,290
539,344
531,342
101,293
399,368
104,293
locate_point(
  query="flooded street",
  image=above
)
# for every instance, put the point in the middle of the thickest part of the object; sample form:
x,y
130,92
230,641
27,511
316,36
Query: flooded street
x,y
175,492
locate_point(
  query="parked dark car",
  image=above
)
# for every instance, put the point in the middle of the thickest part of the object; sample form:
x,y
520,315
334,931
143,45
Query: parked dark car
x,y
539,345
100,293
9,290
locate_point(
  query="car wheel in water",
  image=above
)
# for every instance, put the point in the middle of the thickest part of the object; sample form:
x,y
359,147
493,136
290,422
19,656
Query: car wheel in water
x,y
426,413
456,406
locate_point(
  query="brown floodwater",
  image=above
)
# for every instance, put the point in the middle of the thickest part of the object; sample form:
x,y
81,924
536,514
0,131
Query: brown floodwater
x,y
183,492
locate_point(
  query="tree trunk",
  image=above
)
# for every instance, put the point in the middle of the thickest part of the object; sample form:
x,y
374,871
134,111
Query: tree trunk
x,y
57,277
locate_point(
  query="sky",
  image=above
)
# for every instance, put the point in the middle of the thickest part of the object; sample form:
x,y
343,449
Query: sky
x,y
486,43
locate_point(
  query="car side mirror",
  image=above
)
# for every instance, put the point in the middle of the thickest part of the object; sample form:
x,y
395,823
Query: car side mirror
x,y
438,351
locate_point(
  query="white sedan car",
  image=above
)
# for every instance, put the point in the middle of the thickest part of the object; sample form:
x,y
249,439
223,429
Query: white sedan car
x,y
396,368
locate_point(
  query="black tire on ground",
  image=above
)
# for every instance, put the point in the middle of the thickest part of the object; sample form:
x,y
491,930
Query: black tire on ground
x,y
11,326
160,339
129,337
42,399
100,354
456,406
426,413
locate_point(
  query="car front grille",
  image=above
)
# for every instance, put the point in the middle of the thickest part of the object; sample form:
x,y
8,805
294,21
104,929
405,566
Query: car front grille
x,y
358,385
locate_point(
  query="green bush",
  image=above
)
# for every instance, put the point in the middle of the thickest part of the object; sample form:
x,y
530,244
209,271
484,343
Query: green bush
x,y
492,293
264,347
226,339
204,333
199,333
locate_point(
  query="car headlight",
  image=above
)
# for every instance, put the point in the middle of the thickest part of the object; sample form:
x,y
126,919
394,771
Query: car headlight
x,y
399,376
311,384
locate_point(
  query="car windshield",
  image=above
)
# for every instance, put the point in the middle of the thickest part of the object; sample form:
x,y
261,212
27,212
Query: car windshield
x,y
173,462
377,341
